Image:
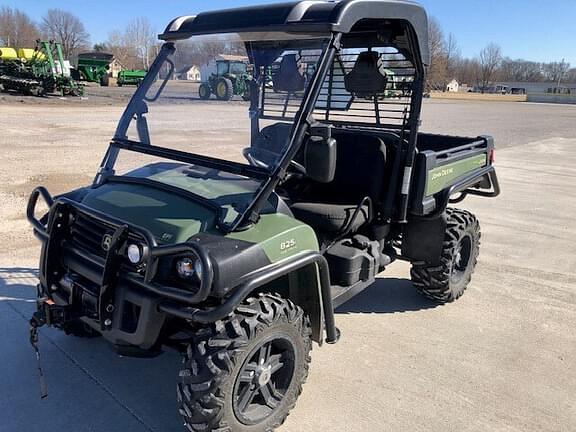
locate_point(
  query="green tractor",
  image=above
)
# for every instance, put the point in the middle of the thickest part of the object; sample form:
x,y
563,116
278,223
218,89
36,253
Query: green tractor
x,y
94,67
231,78
38,71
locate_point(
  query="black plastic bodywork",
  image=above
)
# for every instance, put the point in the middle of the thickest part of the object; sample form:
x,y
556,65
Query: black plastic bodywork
x,y
306,17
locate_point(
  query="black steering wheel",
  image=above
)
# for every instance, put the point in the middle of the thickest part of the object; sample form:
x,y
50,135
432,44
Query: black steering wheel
x,y
264,158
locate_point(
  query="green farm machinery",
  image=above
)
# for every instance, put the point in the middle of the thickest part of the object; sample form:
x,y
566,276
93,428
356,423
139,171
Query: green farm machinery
x,y
94,67
37,71
231,78
131,77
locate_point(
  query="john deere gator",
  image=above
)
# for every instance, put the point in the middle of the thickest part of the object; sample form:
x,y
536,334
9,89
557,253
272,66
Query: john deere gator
x,y
231,232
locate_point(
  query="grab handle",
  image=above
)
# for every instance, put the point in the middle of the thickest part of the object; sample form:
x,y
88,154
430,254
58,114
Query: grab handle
x,y
39,227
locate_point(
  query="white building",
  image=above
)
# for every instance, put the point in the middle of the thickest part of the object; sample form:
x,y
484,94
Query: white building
x,y
453,86
190,73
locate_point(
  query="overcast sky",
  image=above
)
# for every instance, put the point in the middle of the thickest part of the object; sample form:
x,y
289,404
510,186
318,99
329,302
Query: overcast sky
x,y
531,29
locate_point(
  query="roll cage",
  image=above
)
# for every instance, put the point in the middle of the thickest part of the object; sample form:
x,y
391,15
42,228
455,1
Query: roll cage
x,y
361,23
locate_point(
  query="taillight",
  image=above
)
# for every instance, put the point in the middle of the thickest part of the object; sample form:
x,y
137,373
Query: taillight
x,y
492,156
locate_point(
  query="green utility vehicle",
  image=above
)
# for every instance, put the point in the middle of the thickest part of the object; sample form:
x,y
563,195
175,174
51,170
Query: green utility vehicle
x,y
131,77
39,71
239,266
231,78
94,67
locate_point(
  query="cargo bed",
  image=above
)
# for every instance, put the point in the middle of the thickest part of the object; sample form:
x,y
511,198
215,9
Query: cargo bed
x,y
448,168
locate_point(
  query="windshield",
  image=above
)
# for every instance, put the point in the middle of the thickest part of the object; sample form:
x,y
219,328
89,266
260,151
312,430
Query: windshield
x,y
205,103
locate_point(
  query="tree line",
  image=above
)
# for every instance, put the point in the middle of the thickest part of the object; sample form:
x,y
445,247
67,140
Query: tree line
x,y
18,30
136,45
488,67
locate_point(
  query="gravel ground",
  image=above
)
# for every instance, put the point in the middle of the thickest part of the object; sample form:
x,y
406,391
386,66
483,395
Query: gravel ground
x,y
501,358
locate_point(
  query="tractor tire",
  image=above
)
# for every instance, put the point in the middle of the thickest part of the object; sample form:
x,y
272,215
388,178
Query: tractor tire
x,y
78,329
224,89
244,373
105,80
204,91
448,280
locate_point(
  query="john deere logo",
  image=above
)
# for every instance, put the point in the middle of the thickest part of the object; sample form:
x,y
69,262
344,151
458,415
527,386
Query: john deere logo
x,y
106,242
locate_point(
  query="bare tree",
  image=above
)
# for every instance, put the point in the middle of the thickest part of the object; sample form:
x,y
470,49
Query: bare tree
x,y
141,37
452,55
556,71
437,68
67,29
133,47
489,61
17,29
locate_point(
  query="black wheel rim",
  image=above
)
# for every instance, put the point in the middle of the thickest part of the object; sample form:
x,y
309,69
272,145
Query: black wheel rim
x,y
461,261
264,380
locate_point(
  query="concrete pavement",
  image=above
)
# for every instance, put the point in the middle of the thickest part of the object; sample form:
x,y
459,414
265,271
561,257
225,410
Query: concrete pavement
x,y
502,358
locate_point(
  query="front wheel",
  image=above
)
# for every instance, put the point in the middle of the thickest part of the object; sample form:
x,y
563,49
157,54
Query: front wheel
x,y
204,92
245,373
448,280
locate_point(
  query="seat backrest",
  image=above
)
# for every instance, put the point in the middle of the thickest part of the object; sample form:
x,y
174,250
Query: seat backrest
x,y
288,77
367,78
360,165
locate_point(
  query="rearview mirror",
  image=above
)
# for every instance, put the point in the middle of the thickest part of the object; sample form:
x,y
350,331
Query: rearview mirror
x,y
320,155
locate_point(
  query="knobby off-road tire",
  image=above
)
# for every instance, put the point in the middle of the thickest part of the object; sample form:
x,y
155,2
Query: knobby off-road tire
x,y
244,373
224,89
447,281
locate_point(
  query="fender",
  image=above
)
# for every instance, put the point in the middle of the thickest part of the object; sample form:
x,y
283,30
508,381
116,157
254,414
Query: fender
x,y
321,319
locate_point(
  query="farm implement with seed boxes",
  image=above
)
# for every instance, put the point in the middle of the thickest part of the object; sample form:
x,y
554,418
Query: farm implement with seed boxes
x,y
38,71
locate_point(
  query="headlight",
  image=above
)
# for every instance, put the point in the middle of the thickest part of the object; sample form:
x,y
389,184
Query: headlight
x,y
189,268
134,253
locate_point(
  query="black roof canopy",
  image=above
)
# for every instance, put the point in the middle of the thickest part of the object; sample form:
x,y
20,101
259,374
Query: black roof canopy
x,y
305,17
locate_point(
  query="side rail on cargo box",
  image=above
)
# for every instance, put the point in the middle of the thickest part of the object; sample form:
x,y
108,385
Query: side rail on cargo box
x,y
448,176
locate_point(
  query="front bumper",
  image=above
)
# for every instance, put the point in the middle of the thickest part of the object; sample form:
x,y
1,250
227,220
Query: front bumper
x,y
97,284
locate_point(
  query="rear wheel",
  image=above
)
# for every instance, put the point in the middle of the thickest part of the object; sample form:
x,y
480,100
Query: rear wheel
x,y
448,280
105,80
204,92
245,373
224,89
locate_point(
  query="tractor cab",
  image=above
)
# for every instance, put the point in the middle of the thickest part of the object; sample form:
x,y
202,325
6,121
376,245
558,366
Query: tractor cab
x,y
226,67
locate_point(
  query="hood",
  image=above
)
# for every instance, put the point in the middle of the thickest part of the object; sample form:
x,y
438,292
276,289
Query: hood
x,y
170,217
